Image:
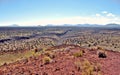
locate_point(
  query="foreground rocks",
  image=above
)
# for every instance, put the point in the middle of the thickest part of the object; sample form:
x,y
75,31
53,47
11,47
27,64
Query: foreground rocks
x,y
65,62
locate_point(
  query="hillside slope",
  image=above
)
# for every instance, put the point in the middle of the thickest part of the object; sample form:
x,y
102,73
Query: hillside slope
x,y
67,60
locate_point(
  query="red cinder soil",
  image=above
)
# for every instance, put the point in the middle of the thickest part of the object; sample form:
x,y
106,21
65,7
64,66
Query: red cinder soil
x,y
63,63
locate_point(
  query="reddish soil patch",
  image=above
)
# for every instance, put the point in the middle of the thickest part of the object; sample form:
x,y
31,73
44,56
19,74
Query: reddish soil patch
x,y
63,63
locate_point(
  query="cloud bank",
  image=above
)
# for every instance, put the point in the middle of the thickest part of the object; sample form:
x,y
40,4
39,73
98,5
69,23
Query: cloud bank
x,y
101,18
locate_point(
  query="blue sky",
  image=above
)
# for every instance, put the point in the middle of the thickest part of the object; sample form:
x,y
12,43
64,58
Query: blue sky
x,y
42,12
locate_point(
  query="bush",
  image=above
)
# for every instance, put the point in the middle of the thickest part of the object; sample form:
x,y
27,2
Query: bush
x,y
77,65
91,68
97,67
100,48
87,68
47,60
78,54
38,50
49,54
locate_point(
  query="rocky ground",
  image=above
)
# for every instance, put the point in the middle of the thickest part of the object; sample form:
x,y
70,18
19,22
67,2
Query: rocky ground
x,y
67,60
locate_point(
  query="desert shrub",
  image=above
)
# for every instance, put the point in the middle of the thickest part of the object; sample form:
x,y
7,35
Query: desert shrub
x,y
78,54
49,54
57,69
100,48
87,68
37,50
94,48
97,67
47,60
25,61
77,65
5,64
89,45
99,73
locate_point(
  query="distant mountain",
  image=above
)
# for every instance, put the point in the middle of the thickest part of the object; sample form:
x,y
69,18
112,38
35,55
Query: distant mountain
x,y
50,25
77,25
96,25
112,25
87,25
14,25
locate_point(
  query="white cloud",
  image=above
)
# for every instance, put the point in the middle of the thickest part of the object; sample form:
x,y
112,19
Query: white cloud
x,y
81,20
110,15
97,19
97,15
104,12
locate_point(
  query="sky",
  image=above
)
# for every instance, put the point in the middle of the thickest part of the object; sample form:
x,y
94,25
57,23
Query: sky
x,y
43,12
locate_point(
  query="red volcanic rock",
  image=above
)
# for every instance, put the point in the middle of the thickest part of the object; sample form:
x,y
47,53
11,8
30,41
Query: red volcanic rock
x,y
1,72
64,63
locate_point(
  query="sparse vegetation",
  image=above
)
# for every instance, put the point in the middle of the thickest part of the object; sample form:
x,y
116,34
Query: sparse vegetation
x,y
78,65
30,49
87,68
97,67
78,54
49,54
46,60
9,58
99,48
30,38
101,52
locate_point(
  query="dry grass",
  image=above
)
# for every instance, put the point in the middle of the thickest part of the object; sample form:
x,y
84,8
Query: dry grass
x,y
49,54
78,65
87,68
46,60
78,54
10,58
90,68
